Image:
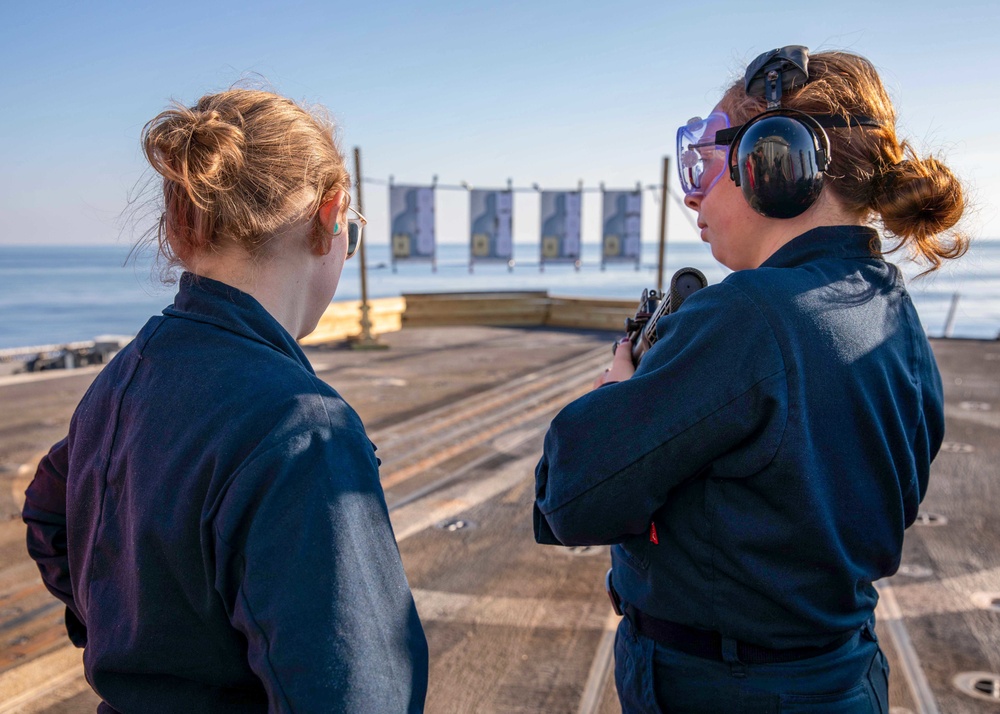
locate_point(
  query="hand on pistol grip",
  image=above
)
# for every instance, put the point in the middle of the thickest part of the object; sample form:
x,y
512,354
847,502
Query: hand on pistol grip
x,y
640,329
621,367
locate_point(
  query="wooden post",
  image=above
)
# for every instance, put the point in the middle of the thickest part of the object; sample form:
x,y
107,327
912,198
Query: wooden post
x,y
949,323
365,340
638,257
510,260
661,263
604,261
392,251
434,255
579,259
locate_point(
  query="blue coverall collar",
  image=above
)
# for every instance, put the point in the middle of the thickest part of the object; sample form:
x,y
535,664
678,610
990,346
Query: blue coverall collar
x,y
216,303
827,242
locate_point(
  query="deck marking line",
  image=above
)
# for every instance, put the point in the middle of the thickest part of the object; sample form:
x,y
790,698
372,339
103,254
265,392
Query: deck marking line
x,y
462,419
506,611
923,697
593,690
418,515
438,486
46,375
29,681
484,401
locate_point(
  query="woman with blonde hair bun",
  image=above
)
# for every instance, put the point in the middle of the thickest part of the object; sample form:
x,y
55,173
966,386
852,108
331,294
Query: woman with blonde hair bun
x,y
214,520
789,414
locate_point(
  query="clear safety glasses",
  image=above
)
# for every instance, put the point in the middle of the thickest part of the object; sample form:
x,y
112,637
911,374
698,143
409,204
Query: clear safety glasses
x,y
701,157
354,225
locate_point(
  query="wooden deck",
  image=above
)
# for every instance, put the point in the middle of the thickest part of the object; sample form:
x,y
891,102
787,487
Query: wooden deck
x,y
459,414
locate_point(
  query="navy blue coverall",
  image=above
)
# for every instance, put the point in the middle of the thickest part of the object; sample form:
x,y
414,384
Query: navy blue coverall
x,y
775,441
215,525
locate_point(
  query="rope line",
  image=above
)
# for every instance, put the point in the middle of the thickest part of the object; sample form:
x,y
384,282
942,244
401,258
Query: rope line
x,y
533,188
653,188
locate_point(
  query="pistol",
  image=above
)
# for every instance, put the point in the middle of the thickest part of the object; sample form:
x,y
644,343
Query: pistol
x,y
641,328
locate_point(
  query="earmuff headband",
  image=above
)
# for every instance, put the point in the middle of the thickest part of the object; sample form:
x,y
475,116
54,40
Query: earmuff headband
x,y
775,72
726,137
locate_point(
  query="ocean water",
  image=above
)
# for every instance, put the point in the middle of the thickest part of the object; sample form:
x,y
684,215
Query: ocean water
x,y
57,294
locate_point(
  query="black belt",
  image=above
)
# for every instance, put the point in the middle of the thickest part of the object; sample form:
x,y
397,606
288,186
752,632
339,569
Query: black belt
x,y
708,644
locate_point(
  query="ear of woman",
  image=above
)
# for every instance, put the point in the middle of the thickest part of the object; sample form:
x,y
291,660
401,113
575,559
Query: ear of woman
x,y
332,221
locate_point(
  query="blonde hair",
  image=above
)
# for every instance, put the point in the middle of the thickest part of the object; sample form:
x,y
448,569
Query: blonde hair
x,y
237,167
872,173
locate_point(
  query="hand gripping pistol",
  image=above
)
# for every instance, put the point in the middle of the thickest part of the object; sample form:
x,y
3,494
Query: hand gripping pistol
x,y
641,329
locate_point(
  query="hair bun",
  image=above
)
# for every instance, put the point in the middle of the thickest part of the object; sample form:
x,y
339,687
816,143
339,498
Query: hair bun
x,y
214,154
197,149
210,130
920,197
919,200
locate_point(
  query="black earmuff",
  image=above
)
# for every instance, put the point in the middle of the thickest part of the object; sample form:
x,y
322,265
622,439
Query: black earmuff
x,y
778,158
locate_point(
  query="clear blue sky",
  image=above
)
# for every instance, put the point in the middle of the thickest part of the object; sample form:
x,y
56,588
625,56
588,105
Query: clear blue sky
x,y
540,92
